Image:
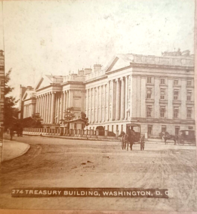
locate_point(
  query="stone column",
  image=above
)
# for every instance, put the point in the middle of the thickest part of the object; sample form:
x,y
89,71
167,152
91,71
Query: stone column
x,y
64,104
117,99
66,100
90,105
43,110
122,98
71,98
93,105
86,107
44,105
112,101
131,96
53,108
100,103
58,107
46,109
49,107
36,104
39,110
96,104
39,104
107,101
126,97
104,102
67,95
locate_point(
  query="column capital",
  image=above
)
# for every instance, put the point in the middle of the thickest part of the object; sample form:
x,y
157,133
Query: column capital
x,y
122,78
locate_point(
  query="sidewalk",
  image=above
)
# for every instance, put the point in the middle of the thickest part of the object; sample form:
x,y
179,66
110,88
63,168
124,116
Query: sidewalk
x,y
91,138
12,149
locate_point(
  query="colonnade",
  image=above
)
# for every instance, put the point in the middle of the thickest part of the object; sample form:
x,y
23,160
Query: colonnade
x,y
109,102
52,106
28,110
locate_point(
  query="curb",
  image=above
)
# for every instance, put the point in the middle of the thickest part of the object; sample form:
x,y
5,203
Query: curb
x,y
22,153
75,138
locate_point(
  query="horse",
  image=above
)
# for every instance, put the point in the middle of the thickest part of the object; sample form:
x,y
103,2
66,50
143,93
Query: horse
x,y
170,137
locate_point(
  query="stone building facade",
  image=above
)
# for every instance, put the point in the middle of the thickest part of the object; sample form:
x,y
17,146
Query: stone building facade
x,y
156,92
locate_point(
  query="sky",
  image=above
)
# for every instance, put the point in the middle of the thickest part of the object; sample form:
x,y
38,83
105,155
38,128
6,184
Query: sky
x,y
58,37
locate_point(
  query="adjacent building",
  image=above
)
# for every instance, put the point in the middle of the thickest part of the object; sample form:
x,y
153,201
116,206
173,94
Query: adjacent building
x,y
156,92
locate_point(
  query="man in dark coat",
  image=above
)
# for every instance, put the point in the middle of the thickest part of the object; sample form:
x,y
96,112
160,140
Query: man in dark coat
x,y
11,132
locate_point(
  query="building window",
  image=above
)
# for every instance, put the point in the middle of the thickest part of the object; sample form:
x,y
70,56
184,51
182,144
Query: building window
x,y
149,93
176,112
162,81
149,111
189,112
150,128
162,111
190,127
177,128
189,83
163,128
176,94
149,79
176,82
189,95
162,93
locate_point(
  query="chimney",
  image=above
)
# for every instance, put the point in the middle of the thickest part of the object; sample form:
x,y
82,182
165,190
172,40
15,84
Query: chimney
x,y
81,72
87,71
97,67
29,88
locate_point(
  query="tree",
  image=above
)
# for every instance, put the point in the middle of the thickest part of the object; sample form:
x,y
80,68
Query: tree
x,y
68,116
10,112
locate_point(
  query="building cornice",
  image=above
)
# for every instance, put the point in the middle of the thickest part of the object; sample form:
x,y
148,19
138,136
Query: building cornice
x,y
73,82
173,67
48,87
163,120
96,79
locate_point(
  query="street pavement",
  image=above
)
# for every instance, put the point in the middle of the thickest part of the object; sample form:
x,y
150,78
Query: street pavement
x,y
55,162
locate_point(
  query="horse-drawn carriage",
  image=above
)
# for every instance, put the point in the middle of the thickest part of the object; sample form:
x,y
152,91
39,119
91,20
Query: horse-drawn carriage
x,y
132,136
187,136
184,136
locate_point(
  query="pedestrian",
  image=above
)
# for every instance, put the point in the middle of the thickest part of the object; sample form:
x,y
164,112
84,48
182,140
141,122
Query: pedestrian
x,y
11,133
142,143
132,137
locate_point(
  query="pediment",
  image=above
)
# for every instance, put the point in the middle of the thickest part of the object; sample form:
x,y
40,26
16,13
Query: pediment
x,y
43,82
119,61
28,94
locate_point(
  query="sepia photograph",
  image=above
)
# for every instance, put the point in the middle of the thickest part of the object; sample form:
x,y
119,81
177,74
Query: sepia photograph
x,y
97,105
